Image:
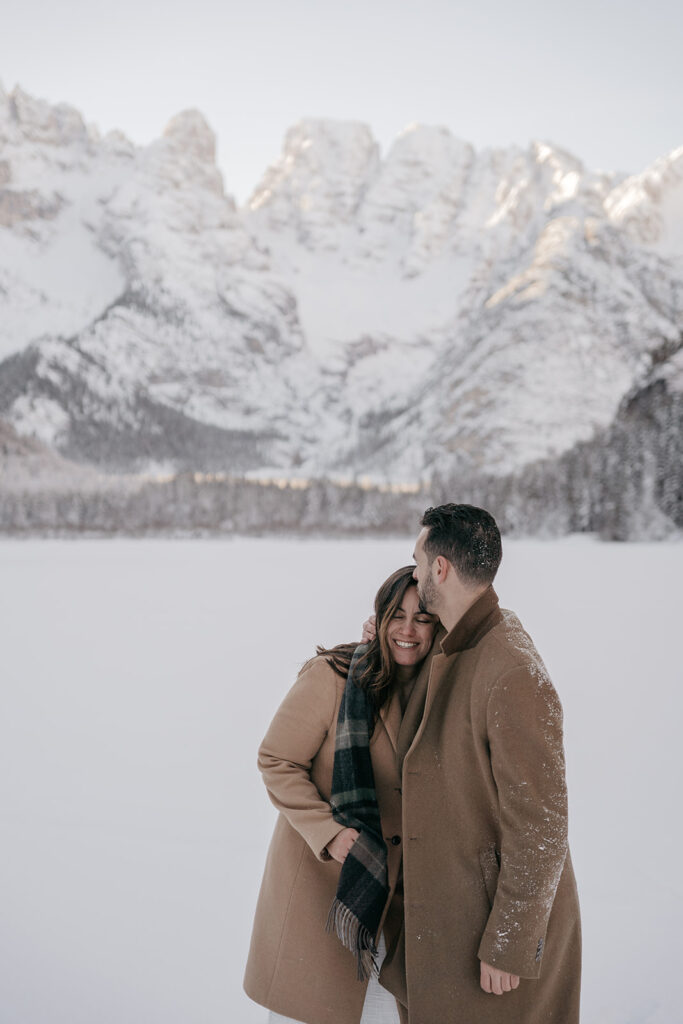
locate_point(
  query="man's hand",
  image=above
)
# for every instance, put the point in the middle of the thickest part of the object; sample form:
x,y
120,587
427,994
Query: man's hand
x,y
369,630
496,982
342,843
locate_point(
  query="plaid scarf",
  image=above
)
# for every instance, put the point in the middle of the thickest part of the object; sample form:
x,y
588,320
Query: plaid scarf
x,y
362,890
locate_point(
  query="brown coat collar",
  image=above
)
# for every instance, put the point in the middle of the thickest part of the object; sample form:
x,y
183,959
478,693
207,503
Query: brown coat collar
x,y
468,631
390,717
477,620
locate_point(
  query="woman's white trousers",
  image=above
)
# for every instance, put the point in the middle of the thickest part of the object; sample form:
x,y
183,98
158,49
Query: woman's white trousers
x,y
379,1006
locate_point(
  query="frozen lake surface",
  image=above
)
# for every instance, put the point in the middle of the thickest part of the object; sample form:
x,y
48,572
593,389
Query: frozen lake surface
x,y
137,680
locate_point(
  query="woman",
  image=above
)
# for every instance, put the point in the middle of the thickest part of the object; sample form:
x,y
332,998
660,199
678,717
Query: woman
x,y
296,968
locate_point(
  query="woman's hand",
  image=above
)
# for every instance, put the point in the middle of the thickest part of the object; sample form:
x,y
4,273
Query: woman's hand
x,y
369,630
342,843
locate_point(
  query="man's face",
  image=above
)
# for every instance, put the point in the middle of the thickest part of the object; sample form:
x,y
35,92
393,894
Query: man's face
x,y
426,588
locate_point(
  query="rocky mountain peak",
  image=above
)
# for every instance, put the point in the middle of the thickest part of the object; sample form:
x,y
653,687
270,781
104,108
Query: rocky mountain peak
x,y
190,131
317,185
185,156
649,206
439,310
558,159
346,148
39,121
431,144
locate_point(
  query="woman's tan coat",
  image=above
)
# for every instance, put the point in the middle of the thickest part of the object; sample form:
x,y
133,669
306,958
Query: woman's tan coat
x,y
295,967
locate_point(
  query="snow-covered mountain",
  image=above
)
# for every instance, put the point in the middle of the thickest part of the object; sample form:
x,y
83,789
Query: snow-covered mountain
x,y
436,310
184,334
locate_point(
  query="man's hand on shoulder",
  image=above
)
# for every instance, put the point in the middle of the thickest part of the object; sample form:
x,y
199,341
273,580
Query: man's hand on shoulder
x,y
369,630
496,982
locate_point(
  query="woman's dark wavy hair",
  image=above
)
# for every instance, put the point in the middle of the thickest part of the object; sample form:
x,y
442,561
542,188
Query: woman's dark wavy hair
x,y
374,669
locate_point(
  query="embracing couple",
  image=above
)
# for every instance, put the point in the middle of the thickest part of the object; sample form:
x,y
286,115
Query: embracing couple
x,y
419,870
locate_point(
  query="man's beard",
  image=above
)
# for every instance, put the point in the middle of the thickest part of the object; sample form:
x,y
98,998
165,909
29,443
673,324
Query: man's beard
x,y
427,595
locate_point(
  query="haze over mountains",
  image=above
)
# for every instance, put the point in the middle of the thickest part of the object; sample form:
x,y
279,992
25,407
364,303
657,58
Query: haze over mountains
x,y
435,315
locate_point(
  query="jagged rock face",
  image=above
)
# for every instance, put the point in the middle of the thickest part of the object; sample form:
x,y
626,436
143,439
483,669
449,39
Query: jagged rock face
x,y
436,311
193,137
649,206
38,121
314,191
138,308
510,367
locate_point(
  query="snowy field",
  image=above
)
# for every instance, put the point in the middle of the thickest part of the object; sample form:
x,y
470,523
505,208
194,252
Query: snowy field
x,y
137,680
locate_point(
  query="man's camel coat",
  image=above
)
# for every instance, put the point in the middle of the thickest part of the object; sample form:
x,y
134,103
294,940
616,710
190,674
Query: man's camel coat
x,y
295,967
486,869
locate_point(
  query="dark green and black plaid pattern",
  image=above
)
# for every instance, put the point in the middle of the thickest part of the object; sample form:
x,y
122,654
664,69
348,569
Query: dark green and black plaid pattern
x,y
362,890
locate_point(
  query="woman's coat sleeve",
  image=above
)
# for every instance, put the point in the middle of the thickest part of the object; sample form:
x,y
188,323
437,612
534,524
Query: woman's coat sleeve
x,y
295,736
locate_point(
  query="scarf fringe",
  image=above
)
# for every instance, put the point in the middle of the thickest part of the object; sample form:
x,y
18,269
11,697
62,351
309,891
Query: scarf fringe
x,y
354,936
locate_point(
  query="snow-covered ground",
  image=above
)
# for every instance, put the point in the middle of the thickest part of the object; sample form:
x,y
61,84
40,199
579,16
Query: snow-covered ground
x,y
137,680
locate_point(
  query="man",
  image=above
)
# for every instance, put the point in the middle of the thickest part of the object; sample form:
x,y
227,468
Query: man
x,y
491,917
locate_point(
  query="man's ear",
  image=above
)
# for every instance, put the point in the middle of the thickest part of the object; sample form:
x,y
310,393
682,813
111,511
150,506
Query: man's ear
x,y
442,566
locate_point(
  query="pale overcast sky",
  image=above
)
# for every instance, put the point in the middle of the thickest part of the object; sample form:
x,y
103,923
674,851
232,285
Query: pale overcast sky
x,y
602,79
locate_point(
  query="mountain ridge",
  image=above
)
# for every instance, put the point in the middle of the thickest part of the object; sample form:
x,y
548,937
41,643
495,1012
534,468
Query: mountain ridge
x,y
433,310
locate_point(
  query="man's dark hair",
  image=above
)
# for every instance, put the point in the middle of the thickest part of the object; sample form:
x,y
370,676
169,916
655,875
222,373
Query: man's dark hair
x,y
468,537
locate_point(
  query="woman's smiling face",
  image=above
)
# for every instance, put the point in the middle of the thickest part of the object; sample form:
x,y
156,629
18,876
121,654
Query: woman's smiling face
x,y
410,631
